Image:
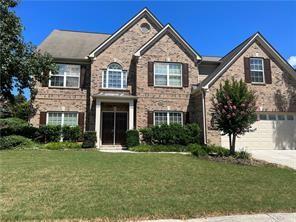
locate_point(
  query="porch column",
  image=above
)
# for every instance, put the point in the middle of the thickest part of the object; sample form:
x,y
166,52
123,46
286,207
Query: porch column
x,y
98,122
131,115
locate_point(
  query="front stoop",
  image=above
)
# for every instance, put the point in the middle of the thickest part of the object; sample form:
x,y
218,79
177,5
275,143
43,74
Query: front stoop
x,y
112,147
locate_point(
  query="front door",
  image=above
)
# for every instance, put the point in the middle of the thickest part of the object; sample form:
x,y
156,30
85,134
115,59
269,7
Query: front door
x,y
114,126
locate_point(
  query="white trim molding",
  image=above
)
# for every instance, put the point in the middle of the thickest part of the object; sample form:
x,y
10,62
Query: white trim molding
x,y
145,10
166,28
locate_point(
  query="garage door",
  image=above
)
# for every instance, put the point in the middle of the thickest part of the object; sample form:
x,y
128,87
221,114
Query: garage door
x,y
272,131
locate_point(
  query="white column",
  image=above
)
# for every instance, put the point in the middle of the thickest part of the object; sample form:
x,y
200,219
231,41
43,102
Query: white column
x,y
131,115
98,122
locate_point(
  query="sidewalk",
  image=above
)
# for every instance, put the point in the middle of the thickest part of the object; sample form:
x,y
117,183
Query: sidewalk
x,y
272,217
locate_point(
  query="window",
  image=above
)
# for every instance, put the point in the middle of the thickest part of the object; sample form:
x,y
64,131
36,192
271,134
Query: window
x,y
114,77
67,76
256,70
290,117
62,118
262,117
167,118
145,27
281,117
272,117
168,74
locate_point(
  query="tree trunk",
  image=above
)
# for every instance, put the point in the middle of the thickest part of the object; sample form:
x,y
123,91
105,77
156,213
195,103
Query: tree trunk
x,y
230,143
232,147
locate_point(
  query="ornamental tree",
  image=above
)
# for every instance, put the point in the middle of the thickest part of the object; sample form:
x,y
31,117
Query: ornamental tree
x,y
234,110
21,64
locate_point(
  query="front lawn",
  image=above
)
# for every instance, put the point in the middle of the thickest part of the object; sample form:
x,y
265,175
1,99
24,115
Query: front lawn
x,y
42,184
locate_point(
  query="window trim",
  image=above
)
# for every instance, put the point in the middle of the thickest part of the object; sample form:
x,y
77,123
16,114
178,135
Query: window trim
x,y
263,71
276,116
65,78
167,74
63,116
168,116
107,78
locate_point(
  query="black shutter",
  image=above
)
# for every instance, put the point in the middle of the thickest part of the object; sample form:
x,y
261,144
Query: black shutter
x,y
267,71
150,118
83,73
185,76
150,73
247,70
81,120
186,118
42,120
44,83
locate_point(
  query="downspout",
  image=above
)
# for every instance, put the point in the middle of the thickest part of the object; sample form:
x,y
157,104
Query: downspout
x,y
203,94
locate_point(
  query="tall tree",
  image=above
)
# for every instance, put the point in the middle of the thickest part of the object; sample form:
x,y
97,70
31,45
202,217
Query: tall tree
x,y
234,110
21,63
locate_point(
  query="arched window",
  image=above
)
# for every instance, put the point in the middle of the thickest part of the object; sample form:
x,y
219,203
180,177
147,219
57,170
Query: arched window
x,y
114,77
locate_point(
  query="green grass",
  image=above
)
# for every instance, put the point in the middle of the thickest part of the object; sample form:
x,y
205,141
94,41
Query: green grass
x,y
42,184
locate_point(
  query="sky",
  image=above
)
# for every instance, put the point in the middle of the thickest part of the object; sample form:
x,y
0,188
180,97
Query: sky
x,y
210,27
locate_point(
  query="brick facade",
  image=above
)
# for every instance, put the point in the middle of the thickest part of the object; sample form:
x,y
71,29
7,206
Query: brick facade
x,y
278,96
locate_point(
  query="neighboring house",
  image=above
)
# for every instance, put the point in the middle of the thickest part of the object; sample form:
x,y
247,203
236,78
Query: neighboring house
x,y
147,74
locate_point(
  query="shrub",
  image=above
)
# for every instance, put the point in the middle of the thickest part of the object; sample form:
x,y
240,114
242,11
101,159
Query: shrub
x,y
89,139
242,155
158,148
71,133
132,138
171,134
217,150
16,126
61,145
197,150
49,133
15,141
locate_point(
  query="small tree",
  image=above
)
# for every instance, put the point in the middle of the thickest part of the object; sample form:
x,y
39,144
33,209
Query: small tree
x,y
234,110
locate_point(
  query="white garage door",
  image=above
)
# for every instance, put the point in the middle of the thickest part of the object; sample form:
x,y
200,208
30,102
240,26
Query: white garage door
x,y
273,131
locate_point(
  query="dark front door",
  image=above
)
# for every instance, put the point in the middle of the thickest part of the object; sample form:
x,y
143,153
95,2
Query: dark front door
x,y
114,126
107,128
120,128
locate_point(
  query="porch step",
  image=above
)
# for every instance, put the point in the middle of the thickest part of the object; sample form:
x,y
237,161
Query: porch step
x,y
112,147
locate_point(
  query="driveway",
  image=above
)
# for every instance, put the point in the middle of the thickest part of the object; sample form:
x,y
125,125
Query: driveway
x,y
282,157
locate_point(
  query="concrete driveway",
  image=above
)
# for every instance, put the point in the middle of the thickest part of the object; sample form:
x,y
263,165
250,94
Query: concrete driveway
x,y
282,157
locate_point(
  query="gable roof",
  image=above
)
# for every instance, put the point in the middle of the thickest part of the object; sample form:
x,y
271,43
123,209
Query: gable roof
x,y
144,13
168,29
64,44
229,58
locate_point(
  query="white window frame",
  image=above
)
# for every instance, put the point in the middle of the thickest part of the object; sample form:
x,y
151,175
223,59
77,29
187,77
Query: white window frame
x,y
63,116
276,116
107,78
257,70
65,78
168,116
168,74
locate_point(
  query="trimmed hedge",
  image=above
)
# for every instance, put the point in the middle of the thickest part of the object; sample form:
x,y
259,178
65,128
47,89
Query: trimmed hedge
x,y
16,126
15,141
159,148
49,133
89,139
61,145
132,138
71,133
171,134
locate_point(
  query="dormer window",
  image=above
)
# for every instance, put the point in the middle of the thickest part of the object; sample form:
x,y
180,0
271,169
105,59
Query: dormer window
x,y
114,77
257,70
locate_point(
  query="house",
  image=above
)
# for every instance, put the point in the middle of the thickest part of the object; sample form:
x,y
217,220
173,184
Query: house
x,y
147,74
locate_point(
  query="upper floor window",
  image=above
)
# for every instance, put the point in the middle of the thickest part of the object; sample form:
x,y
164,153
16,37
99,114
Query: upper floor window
x,y
114,77
62,118
168,74
68,76
168,118
257,70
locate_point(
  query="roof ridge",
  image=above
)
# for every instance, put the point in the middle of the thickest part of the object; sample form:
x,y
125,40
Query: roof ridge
x,y
68,30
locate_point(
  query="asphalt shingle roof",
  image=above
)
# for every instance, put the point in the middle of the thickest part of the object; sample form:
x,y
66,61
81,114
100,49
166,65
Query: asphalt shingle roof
x,y
71,44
